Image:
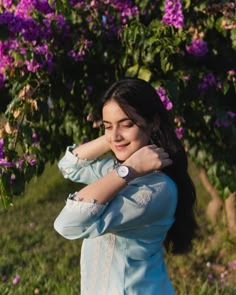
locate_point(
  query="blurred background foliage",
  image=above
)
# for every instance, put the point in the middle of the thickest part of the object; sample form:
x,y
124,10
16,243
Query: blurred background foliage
x,y
57,58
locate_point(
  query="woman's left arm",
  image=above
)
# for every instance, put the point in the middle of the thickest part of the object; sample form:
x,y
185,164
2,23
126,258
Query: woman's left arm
x,y
143,161
82,216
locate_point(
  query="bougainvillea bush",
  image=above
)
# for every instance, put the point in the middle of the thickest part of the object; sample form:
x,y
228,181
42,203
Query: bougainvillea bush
x,y
57,57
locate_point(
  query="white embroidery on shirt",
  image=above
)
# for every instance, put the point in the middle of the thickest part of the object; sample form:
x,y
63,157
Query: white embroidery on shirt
x,y
89,288
110,239
143,197
92,208
95,270
99,275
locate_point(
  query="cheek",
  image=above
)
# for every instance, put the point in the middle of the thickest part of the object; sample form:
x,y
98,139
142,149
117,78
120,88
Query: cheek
x,y
107,137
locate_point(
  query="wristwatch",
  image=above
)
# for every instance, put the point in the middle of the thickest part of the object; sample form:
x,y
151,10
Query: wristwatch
x,y
123,172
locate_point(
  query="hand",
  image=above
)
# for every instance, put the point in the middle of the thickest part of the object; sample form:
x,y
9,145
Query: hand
x,y
147,159
96,123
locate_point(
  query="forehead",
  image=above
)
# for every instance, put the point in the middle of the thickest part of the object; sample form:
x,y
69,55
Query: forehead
x,y
112,111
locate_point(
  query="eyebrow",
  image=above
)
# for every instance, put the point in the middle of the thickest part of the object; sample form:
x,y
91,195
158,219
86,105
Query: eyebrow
x,y
120,121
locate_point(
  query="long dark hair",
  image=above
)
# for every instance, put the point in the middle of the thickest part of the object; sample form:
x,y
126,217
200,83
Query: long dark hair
x,y
137,94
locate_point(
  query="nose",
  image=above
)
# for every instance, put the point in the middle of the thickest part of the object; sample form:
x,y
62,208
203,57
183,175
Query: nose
x,y
115,134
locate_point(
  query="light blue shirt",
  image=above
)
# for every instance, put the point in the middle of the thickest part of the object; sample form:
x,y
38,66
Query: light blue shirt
x,y
122,250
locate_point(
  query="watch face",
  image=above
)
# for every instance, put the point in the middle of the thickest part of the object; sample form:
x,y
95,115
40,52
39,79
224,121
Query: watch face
x,y
123,171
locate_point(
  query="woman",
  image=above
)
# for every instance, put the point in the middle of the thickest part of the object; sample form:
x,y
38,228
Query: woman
x,y
135,202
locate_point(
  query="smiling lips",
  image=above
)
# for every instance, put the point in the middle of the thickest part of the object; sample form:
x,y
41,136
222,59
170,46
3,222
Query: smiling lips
x,y
120,147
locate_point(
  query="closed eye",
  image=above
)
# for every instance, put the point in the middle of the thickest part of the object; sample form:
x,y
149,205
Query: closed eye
x,y
128,125
107,127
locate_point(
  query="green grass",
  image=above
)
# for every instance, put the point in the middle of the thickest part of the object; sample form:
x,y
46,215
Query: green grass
x,y
48,264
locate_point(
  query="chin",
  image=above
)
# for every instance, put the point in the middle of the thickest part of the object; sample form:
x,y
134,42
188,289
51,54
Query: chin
x,y
121,158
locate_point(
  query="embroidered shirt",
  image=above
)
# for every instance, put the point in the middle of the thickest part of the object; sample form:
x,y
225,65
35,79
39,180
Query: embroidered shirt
x,y
122,250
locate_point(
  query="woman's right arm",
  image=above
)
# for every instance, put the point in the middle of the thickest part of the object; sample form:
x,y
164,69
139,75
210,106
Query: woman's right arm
x,y
80,163
92,149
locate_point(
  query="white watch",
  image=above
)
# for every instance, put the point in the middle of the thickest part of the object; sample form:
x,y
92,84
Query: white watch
x,y
123,172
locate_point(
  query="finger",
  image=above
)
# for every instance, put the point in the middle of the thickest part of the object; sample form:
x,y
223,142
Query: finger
x,y
164,155
166,162
152,146
158,149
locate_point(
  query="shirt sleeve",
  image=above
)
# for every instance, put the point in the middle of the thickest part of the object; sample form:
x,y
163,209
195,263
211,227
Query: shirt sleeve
x,y
83,170
134,206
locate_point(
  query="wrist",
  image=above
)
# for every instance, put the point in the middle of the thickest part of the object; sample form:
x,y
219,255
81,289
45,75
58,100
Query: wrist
x,y
132,171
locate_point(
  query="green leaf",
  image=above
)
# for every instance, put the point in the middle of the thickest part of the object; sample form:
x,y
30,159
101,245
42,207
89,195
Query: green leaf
x,y
233,38
132,71
225,87
5,198
145,74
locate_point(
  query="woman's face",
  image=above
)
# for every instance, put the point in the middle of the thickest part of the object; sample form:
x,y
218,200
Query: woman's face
x,y
122,134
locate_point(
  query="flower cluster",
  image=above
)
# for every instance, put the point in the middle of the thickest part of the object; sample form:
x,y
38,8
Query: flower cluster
x,y
198,47
173,14
232,75
27,159
225,121
164,98
80,49
220,271
3,161
179,130
207,81
37,31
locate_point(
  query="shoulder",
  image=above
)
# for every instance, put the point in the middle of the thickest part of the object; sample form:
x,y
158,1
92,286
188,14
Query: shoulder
x,y
157,181
163,192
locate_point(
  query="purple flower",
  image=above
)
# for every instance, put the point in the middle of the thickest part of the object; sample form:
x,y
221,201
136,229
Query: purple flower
x,y
173,14
41,49
43,7
32,66
34,139
16,280
5,163
19,164
231,114
164,98
208,80
25,8
6,17
179,132
1,148
210,276
12,179
231,75
197,48
7,3
202,86
226,121
77,56
31,30
31,159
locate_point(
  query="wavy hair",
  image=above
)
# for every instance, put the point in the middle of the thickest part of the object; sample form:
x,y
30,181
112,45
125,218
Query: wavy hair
x,y
136,94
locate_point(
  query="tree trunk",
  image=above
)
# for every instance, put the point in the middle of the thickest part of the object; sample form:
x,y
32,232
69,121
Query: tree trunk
x,y
216,203
230,210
